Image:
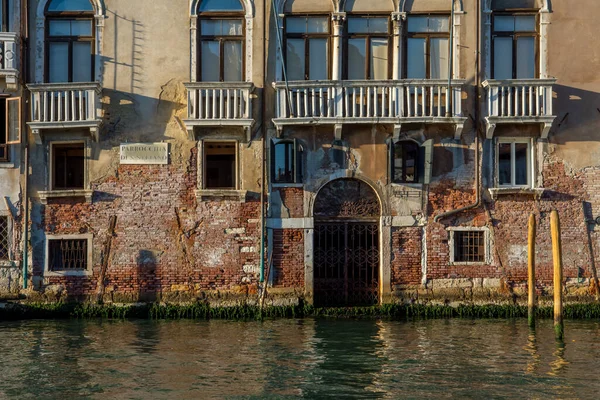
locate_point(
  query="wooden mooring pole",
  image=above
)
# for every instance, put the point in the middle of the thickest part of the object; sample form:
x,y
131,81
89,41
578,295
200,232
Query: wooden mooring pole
x,y
531,271
558,276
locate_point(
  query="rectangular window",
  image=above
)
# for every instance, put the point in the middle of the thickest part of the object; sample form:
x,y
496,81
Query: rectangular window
x,y
68,166
4,240
6,11
427,47
307,48
469,246
10,125
514,46
367,48
221,50
67,254
514,162
285,162
220,165
70,50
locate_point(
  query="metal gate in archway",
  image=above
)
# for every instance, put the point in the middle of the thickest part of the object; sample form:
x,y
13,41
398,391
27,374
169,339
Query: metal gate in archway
x,y
346,245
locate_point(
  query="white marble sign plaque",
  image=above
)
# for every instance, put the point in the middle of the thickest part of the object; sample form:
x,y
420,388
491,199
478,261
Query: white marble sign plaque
x,y
145,153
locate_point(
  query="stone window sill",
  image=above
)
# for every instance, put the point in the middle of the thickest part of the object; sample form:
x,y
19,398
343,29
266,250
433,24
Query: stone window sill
x,y
56,194
68,273
287,185
10,264
221,194
505,191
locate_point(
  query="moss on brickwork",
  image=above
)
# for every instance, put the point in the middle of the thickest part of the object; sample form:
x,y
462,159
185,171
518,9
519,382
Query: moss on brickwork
x,y
13,311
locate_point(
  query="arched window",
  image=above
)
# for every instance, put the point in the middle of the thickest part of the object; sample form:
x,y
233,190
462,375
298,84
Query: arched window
x,y
405,168
221,41
69,41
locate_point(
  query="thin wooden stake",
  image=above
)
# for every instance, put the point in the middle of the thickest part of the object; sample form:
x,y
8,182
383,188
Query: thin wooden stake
x,y
112,223
531,271
558,275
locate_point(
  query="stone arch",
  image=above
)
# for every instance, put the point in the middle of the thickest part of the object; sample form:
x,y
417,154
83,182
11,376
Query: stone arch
x,y
281,5
371,5
406,5
247,4
542,5
40,30
347,197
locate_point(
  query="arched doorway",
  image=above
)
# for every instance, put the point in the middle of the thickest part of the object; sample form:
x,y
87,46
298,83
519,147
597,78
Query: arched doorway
x,y
346,244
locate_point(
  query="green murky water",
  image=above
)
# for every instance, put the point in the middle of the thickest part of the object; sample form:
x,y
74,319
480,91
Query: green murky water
x,y
310,358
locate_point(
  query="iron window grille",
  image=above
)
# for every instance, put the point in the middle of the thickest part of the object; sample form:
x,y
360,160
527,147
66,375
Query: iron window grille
x,y
4,242
469,246
68,254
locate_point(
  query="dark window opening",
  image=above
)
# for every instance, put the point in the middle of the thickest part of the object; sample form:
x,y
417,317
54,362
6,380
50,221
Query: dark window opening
x,y
68,166
514,41
469,246
406,162
6,11
3,132
67,254
220,165
285,163
4,238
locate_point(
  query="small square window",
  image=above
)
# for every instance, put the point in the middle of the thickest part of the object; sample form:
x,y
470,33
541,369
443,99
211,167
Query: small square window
x,y
469,246
68,166
67,254
514,163
220,165
4,240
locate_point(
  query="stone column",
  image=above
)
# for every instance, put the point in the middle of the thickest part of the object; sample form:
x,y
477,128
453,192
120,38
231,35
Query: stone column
x,y
338,29
398,27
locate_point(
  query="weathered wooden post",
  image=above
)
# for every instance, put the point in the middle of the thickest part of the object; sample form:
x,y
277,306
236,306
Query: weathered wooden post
x,y
557,256
531,271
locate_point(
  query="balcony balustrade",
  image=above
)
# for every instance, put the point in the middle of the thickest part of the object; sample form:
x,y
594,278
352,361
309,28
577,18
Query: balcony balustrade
x,y
8,59
65,105
519,101
213,104
362,102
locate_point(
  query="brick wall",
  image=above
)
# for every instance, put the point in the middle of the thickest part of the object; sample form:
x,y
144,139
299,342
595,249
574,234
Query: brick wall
x,y
288,258
292,199
406,256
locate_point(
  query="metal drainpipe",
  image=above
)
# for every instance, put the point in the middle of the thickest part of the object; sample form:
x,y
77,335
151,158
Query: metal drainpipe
x,y
450,62
476,112
24,48
264,144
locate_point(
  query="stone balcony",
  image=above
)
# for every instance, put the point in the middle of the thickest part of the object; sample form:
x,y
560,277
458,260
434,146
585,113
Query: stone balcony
x,y
519,101
65,105
215,104
368,102
8,59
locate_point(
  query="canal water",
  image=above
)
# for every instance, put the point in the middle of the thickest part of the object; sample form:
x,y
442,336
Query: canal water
x,y
308,358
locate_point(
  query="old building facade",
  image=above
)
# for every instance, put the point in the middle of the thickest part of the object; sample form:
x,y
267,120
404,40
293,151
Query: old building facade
x,y
345,152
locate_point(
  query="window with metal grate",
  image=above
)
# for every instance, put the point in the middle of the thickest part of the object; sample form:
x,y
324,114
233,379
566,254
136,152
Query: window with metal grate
x,y
67,254
469,246
4,246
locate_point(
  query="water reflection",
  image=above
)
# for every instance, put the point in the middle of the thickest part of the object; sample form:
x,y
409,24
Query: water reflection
x,y
310,358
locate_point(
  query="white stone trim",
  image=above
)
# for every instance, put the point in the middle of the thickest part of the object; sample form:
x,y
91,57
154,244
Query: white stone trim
x,y
40,33
487,246
203,193
50,166
86,272
531,162
290,223
248,35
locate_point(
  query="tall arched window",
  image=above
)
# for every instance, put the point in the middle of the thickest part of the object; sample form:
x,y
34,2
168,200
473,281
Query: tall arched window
x,y
221,41
69,41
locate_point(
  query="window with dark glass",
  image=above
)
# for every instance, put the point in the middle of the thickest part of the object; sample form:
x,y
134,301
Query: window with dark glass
x,y
69,41
67,254
221,41
427,48
307,48
514,46
7,9
68,165
514,163
220,165
4,248
10,120
469,246
285,162
367,48
405,162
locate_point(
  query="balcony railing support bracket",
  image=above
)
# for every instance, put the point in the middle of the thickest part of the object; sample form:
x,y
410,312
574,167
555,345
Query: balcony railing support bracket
x,y
489,130
545,129
458,130
397,129
338,131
